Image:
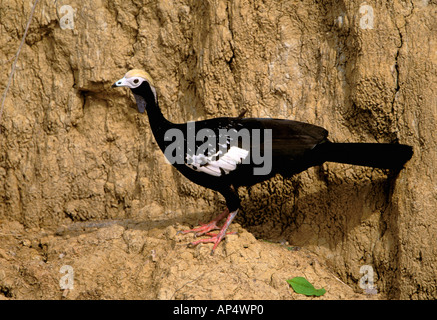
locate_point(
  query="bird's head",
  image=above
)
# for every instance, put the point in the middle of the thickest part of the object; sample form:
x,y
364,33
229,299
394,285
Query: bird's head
x,y
141,84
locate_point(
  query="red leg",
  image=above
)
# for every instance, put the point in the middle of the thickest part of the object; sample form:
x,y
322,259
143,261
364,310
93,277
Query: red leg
x,y
205,228
218,237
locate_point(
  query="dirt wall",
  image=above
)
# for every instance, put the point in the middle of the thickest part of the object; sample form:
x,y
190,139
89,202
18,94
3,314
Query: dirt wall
x,y
73,150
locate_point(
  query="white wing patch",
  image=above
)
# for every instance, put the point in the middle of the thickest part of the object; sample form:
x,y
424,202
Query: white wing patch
x,y
226,163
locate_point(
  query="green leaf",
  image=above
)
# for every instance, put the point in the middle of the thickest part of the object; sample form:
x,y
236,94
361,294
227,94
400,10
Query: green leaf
x,y
302,286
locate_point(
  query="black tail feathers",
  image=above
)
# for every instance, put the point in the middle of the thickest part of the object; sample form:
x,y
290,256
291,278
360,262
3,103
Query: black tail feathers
x,y
376,155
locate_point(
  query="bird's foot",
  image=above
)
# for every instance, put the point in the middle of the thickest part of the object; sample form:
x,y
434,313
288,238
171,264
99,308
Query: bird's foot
x,y
215,238
206,227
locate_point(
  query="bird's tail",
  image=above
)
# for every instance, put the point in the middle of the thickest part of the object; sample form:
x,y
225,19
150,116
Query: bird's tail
x,y
377,155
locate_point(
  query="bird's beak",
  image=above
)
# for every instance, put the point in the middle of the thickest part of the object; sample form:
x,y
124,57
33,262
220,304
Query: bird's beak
x,y
119,83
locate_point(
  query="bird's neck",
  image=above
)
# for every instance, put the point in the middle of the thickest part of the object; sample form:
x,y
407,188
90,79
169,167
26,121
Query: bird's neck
x,y
147,100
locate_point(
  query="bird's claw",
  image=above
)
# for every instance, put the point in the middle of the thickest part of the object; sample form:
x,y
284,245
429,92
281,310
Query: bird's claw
x,y
215,238
205,229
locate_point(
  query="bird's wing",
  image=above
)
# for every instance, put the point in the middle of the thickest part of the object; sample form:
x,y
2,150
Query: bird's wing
x,y
222,144
217,148
289,139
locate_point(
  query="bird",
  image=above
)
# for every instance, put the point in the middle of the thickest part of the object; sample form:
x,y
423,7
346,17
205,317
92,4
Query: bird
x,y
226,153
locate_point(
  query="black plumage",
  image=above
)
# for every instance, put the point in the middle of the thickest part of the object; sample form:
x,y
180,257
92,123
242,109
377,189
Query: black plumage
x,y
229,150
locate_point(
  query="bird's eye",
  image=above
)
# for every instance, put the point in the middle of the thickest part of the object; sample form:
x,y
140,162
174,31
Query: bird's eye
x,y
136,81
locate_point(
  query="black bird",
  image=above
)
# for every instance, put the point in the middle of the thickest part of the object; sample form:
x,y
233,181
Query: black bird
x,y
228,152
